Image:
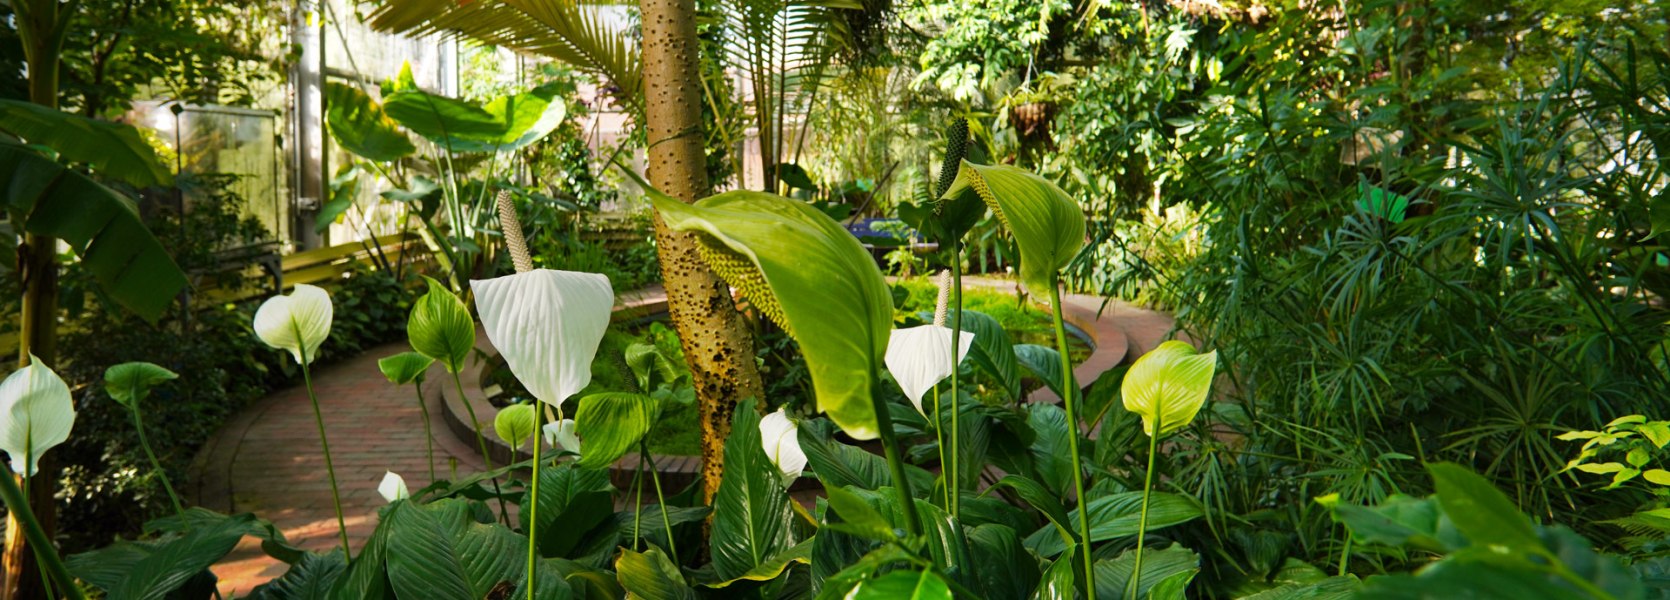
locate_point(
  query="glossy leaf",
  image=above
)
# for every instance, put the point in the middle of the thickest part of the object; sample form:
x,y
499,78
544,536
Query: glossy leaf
x,y
1001,564
439,550
775,566
1057,583
503,124
440,327
651,576
1042,500
154,570
1113,577
992,351
1480,511
1117,515
807,273
129,383
903,585
572,501
515,424
611,424
1168,385
308,578
751,513
1044,363
405,367
1047,224
102,227
358,124
840,465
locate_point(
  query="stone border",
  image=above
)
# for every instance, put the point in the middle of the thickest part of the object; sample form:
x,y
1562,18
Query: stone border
x,y
1083,312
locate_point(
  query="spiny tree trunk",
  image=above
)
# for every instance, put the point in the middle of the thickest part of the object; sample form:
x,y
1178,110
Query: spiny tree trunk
x,y
39,336
716,342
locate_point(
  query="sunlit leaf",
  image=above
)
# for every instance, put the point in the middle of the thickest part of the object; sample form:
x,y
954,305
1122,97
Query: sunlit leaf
x,y
1168,385
1048,225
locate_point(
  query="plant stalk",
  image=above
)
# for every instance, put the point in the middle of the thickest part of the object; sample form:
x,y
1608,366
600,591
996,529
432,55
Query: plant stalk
x,y
956,491
428,435
533,498
145,443
939,440
1142,521
481,442
895,464
17,503
661,501
1067,393
324,444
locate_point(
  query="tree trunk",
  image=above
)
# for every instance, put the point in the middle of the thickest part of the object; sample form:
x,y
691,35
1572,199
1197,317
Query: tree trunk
x,y
39,334
716,341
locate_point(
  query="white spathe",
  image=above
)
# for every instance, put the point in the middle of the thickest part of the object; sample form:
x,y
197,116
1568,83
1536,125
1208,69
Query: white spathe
x,y
299,322
547,325
393,487
920,357
38,413
561,435
780,437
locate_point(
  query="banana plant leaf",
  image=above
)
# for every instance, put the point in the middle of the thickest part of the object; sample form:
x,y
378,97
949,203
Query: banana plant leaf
x,y
112,150
100,225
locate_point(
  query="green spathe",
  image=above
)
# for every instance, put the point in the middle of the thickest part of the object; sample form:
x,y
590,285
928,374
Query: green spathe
x,y
441,328
405,367
515,424
810,275
1168,385
130,382
1047,224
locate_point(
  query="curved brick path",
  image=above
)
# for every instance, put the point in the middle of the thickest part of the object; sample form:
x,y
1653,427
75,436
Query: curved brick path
x,y
266,460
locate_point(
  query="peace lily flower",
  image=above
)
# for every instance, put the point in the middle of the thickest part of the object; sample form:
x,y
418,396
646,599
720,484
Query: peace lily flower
x,y
917,358
299,322
37,414
1168,386
514,424
561,435
780,437
393,487
547,325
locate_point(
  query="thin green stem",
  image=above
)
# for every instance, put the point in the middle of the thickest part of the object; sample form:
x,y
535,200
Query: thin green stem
x,y
428,435
637,503
1142,521
325,444
939,440
956,491
145,443
661,501
533,499
1067,393
45,554
890,446
481,441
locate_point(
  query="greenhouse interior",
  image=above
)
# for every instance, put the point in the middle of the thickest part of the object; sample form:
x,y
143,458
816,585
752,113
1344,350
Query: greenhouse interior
x,y
835,299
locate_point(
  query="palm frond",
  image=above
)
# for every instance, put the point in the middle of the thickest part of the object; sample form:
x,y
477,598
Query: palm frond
x,y
559,29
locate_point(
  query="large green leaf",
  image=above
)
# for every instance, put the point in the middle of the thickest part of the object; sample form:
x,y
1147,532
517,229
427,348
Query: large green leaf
x,y
151,571
992,351
651,576
773,567
751,512
1398,521
1047,224
439,551
101,226
1117,515
1481,512
130,382
1044,501
504,124
405,367
903,585
611,424
572,501
1044,363
1052,450
1113,577
308,579
811,276
1168,385
440,327
1057,583
839,465
113,150
1000,563
358,124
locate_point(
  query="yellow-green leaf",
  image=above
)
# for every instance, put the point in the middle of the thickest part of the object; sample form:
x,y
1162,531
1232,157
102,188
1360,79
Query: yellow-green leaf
x,y
1658,476
441,328
1047,224
1168,385
1601,468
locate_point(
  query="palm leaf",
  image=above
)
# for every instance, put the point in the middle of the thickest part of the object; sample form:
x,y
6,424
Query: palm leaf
x,y
559,29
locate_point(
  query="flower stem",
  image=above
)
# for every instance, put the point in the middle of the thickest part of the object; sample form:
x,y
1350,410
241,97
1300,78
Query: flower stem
x,y
533,499
486,459
956,490
1067,393
325,444
139,426
428,436
939,440
1142,521
45,554
895,464
666,522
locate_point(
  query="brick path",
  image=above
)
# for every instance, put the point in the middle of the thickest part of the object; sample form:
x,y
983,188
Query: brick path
x,y
267,460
